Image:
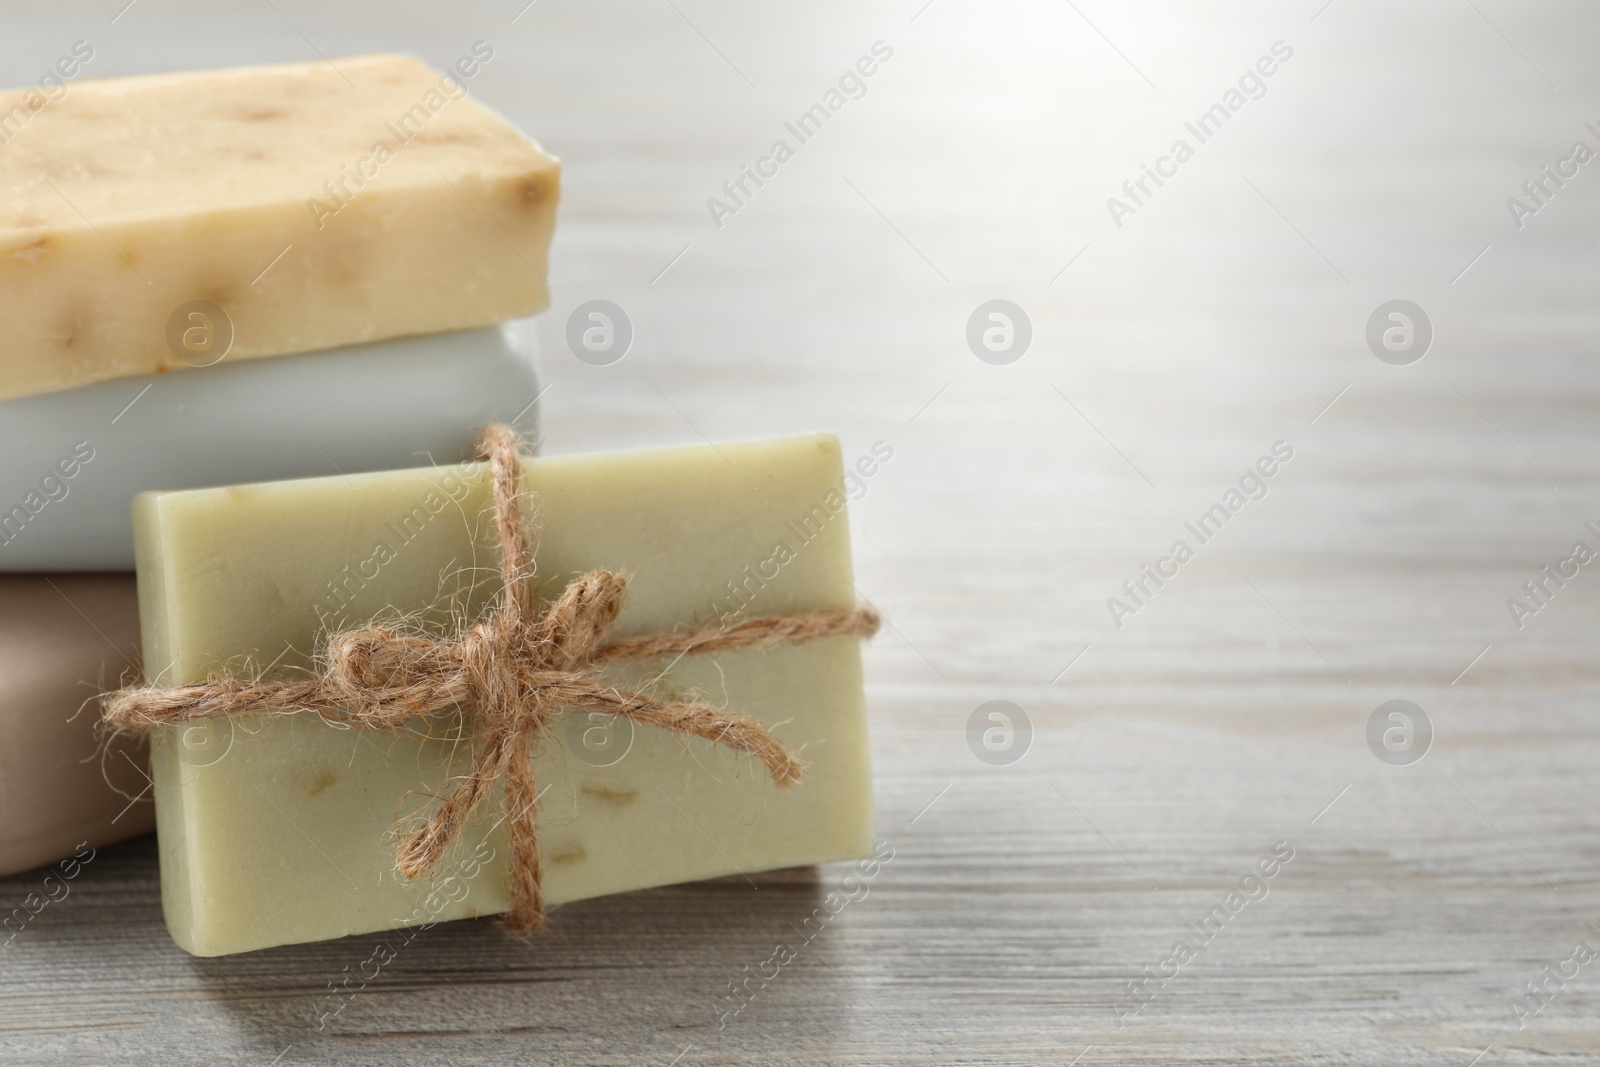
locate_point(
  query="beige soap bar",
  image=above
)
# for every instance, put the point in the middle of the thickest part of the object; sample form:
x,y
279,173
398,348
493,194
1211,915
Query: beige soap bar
x,y
63,639
316,204
284,832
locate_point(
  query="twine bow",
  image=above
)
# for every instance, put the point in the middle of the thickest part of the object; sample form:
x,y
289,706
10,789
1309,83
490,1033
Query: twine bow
x,y
514,668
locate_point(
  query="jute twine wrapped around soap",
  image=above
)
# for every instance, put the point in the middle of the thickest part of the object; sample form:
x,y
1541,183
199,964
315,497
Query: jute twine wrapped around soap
x,y
506,674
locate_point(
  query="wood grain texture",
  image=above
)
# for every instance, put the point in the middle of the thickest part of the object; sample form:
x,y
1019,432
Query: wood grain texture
x,y
1227,715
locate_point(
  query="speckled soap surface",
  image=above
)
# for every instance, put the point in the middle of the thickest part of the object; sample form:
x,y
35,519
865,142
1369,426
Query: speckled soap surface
x,y
318,204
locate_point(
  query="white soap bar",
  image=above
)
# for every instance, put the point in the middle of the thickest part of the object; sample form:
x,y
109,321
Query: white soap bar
x,y
72,461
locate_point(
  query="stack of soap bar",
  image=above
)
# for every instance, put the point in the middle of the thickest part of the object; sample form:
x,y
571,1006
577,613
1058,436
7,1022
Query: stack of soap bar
x,y
61,641
368,210
317,204
280,832
71,462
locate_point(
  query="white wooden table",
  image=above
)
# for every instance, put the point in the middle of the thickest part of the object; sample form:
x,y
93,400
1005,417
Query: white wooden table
x,y
1164,758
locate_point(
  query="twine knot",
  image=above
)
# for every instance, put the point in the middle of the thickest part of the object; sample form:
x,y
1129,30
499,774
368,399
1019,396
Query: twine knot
x,y
507,674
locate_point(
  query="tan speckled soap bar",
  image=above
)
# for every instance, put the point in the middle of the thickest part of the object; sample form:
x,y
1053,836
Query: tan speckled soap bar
x,y
316,204
62,639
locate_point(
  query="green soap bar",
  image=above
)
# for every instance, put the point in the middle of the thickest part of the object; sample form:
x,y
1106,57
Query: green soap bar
x,y
277,832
